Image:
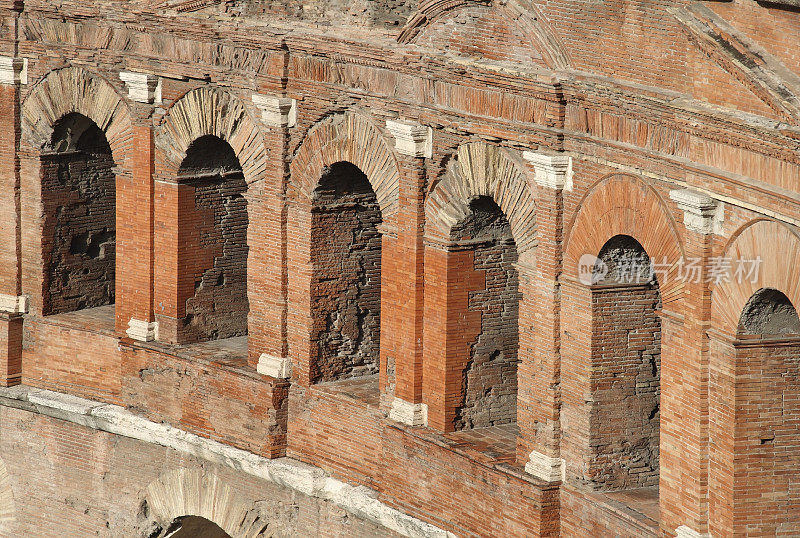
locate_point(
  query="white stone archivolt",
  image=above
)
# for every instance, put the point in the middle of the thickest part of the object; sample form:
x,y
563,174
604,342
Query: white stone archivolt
x,y
193,492
481,169
74,89
216,112
354,139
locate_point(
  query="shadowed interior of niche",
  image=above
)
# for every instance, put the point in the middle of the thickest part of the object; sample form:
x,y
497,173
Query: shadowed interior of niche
x,y
79,203
346,276
769,312
489,383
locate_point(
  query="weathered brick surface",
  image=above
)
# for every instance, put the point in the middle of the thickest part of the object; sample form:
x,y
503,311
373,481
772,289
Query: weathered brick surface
x,y
346,286
65,475
646,98
79,199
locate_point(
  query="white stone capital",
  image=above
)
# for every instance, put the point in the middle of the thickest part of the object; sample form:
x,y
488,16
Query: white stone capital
x,y
701,213
546,468
411,138
687,532
276,111
277,367
143,331
13,70
411,414
552,171
142,88
14,304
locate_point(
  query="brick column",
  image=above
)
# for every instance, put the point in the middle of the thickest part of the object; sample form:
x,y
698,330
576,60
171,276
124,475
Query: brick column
x,y
403,280
13,74
576,352
267,238
538,399
135,216
684,381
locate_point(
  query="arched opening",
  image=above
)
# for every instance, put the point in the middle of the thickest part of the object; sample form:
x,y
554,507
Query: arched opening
x,y
491,282
79,203
212,242
625,369
195,527
769,313
346,276
755,410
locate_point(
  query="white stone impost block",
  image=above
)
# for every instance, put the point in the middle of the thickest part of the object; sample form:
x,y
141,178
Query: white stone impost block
x,y
276,111
277,367
411,414
546,468
13,70
687,532
552,171
411,138
13,304
142,88
143,331
701,213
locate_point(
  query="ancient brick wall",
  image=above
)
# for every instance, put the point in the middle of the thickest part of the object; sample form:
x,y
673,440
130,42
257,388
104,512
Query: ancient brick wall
x,y
489,385
626,104
379,13
75,481
216,244
480,32
79,200
626,388
346,288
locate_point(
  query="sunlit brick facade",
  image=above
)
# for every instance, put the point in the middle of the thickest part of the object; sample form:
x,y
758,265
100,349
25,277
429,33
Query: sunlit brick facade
x,y
359,268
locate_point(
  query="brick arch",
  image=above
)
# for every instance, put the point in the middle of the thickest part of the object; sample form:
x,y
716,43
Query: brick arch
x,y
353,139
625,205
778,246
211,111
193,492
481,169
74,89
521,13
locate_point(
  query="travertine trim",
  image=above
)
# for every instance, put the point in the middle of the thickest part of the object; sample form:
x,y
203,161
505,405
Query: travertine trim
x,y
552,171
143,331
277,367
142,87
13,70
193,491
360,501
546,468
411,138
276,111
481,169
687,532
701,213
13,304
353,138
212,111
412,414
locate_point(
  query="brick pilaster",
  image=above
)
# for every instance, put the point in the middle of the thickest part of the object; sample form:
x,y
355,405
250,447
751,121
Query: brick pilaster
x,y
267,239
538,401
403,281
135,216
684,380
12,304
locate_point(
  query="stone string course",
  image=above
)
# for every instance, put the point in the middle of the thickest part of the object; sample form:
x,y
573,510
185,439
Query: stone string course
x,y
285,472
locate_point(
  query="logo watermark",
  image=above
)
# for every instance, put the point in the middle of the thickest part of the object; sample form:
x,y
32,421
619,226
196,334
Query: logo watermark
x,y
592,270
